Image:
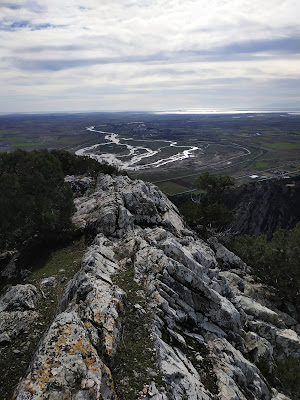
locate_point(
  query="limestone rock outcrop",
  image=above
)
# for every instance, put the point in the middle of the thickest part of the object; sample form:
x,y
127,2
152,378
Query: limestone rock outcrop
x,y
17,311
210,336
265,207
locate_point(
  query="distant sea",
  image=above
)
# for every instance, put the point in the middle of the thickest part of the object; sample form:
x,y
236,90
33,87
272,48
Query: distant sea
x,y
212,111
228,111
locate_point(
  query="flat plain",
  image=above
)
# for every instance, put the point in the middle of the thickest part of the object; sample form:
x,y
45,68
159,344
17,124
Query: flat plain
x,y
170,150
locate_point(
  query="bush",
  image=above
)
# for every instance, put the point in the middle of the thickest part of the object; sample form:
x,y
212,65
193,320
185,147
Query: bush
x,y
208,208
75,165
275,262
288,373
35,202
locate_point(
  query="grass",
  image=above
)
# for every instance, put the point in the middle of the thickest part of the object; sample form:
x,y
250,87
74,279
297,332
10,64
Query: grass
x,y
62,263
134,365
198,354
213,148
27,144
66,258
171,188
283,146
261,165
278,156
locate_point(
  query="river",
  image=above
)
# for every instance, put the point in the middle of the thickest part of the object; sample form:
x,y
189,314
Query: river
x,y
136,157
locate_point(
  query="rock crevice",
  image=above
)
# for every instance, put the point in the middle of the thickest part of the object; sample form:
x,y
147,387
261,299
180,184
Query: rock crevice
x,y
210,336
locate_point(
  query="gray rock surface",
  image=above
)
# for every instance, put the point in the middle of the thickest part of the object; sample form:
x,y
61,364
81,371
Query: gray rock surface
x,y
19,297
79,184
17,311
265,207
67,365
209,332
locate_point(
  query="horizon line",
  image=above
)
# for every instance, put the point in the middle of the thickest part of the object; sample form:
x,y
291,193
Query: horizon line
x,y
183,111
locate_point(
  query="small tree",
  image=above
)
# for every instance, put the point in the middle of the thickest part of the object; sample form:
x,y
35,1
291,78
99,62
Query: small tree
x,y
275,262
208,208
214,185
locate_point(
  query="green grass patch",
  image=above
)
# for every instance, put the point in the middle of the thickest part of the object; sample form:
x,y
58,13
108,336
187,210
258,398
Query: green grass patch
x,y
67,139
66,258
27,144
282,146
212,148
171,188
134,364
62,263
261,165
172,150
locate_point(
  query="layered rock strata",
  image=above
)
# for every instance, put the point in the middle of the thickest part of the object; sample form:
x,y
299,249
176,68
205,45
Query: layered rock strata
x,y
265,207
210,334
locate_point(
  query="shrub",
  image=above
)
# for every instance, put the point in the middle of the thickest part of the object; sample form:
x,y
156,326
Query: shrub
x,y
73,165
275,262
35,202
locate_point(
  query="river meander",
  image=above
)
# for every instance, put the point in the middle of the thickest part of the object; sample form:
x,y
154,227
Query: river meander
x,y
135,154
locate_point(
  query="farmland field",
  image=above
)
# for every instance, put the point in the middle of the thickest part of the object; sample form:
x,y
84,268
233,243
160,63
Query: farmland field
x,y
170,150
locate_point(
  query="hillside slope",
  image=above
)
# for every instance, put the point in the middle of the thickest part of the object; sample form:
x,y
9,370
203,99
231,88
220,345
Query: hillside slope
x,y
154,312
265,207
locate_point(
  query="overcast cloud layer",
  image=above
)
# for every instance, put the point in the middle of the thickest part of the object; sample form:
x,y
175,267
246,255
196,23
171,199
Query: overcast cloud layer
x,y
148,54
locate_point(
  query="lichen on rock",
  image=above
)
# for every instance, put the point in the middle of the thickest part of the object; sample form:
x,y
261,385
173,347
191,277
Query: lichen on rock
x,y
210,339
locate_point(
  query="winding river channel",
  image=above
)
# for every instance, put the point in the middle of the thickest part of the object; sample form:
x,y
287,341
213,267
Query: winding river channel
x,y
134,157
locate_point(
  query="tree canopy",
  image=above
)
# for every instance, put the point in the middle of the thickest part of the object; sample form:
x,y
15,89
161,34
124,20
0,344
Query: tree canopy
x,y
214,185
208,208
34,199
275,262
73,165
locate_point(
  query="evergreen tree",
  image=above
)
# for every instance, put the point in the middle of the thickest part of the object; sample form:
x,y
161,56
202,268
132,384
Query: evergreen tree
x,y
208,208
34,199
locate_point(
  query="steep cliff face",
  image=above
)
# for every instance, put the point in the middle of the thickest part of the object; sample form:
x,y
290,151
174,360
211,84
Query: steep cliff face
x,y
264,207
208,330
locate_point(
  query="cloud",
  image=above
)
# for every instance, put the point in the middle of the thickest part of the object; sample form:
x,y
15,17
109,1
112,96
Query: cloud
x,y
85,47
10,6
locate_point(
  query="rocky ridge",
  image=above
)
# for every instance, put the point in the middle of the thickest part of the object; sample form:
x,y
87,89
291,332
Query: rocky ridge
x,y
265,207
214,334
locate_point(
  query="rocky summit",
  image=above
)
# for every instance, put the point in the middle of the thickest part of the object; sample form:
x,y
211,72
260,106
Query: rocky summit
x,y
153,313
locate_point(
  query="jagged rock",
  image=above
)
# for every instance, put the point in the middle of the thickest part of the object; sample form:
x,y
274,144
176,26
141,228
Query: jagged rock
x,y
260,350
180,373
47,285
66,366
264,207
4,338
19,297
119,202
79,184
154,394
255,309
226,257
24,273
14,323
46,282
238,377
10,269
287,343
278,396
17,311
210,327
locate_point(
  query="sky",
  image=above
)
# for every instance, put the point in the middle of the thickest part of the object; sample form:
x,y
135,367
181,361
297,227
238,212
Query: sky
x,y
148,55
